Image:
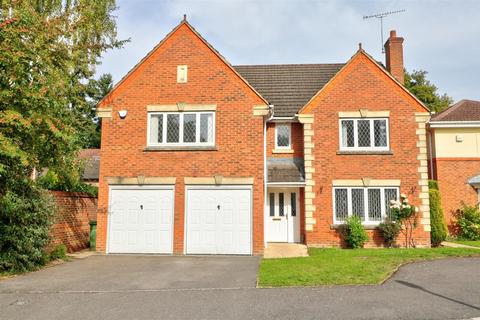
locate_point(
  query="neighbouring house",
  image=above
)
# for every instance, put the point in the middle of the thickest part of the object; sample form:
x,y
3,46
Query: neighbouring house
x,y
202,157
455,156
91,163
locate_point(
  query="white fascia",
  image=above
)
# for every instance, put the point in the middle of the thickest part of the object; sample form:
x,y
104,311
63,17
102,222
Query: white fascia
x,y
454,124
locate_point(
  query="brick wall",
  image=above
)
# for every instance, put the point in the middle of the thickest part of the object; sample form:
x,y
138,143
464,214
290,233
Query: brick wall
x,y
297,141
452,175
361,86
74,211
238,137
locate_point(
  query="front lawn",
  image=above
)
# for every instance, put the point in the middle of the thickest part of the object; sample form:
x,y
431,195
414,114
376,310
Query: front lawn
x,y
342,266
468,242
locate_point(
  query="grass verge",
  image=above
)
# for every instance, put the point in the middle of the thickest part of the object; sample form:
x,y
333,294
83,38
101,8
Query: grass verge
x,y
347,267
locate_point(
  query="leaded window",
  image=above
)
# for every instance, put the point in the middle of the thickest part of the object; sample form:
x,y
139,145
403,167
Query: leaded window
x,y
364,134
181,128
283,135
371,205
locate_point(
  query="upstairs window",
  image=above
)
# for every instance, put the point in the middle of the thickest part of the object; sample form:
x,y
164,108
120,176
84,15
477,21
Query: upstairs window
x,y
181,128
283,136
364,134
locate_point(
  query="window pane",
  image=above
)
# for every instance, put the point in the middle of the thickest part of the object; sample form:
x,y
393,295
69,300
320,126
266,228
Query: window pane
x,y
348,137
358,203
156,128
363,133
283,135
293,203
173,127
380,132
189,127
374,205
206,127
341,204
281,211
272,204
390,194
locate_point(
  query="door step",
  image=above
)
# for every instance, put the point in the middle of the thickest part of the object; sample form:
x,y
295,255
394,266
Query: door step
x,y
285,250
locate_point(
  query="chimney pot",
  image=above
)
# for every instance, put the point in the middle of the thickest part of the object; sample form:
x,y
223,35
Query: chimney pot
x,y
393,34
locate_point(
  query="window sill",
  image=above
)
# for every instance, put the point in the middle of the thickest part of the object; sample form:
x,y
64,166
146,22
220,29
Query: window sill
x,y
179,148
372,152
282,151
365,226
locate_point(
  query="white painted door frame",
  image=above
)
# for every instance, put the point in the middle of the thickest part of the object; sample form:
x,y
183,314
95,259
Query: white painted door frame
x,y
215,187
284,228
111,188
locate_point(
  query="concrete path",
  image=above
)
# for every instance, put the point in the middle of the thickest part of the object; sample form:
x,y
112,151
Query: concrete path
x,y
285,250
457,245
143,287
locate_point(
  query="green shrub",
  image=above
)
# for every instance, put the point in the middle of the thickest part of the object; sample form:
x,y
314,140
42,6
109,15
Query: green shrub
x,y
25,219
66,181
468,221
437,221
353,233
59,252
390,231
433,184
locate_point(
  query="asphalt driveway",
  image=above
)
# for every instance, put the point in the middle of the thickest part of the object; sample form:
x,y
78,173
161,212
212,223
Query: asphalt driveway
x,y
153,287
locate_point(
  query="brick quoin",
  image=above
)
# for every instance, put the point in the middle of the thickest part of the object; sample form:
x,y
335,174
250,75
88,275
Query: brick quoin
x,y
239,135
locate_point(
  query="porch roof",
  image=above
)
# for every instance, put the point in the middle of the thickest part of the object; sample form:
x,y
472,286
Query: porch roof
x,y
286,170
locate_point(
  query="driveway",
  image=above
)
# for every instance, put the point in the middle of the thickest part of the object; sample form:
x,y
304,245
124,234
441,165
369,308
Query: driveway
x,y
153,287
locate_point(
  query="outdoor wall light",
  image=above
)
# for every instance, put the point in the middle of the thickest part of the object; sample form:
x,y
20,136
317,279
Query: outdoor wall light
x,y
122,114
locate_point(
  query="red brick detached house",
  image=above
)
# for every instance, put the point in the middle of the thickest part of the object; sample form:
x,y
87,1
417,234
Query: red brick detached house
x,y
202,157
455,156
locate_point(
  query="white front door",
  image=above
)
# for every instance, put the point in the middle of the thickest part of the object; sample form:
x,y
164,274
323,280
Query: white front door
x,y
219,220
140,220
283,215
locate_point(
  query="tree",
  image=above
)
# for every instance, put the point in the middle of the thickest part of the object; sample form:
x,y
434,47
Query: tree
x,y
96,90
49,50
425,91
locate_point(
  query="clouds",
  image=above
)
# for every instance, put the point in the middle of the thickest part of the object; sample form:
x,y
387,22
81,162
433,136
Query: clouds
x,y
442,37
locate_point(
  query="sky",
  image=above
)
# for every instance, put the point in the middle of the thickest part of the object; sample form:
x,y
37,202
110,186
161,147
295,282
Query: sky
x,y
441,37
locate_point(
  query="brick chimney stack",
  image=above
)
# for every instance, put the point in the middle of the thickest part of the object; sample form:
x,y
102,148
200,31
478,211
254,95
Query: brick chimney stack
x,y
394,56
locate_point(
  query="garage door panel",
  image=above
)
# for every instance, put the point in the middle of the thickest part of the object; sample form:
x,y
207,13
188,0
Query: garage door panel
x,y
218,221
140,221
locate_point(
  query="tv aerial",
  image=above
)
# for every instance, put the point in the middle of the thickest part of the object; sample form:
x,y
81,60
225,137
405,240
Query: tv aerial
x,y
381,16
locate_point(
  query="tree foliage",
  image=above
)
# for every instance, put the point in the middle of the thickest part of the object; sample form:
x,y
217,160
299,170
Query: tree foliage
x,y
49,50
96,90
425,91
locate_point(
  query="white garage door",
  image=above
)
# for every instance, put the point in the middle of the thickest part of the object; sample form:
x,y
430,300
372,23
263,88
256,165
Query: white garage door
x,y
219,221
140,221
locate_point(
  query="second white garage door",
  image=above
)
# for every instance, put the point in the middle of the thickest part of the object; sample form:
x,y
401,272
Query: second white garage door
x,y
219,221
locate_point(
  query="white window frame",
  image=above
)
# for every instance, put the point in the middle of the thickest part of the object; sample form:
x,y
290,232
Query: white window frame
x,y
181,124
355,135
365,197
289,125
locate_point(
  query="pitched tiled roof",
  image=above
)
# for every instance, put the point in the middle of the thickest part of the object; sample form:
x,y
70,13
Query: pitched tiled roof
x,y
464,110
288,86
92,163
